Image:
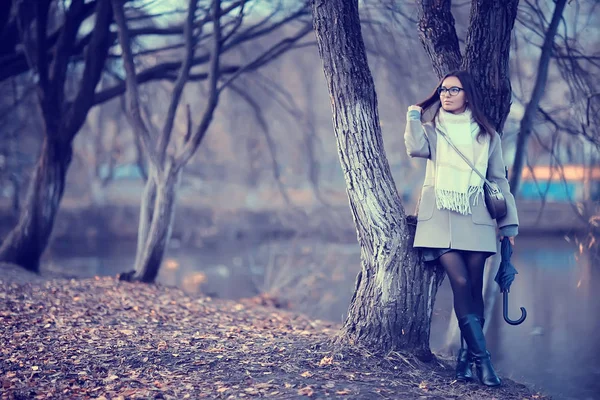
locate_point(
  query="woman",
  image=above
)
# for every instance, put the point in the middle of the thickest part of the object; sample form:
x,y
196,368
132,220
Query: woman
x,y
454,227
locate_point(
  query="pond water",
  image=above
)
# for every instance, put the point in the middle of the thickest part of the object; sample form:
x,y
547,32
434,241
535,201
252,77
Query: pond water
x,y
556,349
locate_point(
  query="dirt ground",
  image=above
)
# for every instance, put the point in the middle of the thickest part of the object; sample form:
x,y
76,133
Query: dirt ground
x,y
101,338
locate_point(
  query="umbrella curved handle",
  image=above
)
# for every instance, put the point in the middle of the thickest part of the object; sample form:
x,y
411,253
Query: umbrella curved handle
x,y
505,311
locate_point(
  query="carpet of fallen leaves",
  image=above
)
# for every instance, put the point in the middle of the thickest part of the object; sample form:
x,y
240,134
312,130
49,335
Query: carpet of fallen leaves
x,y
105,339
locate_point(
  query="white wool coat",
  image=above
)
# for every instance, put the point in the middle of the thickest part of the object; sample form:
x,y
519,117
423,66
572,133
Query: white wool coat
x,y
448,229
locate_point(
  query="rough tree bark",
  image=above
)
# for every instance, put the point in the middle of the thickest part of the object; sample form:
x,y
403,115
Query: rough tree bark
x,y
487,53
538,91
62,119
393,299
438,36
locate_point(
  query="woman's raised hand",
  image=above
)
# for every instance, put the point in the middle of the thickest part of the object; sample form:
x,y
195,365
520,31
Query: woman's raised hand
x,y
414,107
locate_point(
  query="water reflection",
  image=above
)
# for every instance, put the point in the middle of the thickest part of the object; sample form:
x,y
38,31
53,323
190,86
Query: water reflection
x,y
558,344
556,348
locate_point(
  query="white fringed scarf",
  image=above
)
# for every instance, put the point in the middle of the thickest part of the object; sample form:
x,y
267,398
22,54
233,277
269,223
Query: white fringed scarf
x,y
455,181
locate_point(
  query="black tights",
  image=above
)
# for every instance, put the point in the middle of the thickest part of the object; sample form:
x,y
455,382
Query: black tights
x,y
465,272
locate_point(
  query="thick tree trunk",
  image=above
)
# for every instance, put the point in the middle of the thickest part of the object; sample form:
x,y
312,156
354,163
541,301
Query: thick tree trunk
x,y
27,241
438,36
487,55
161,192
146,212
393,301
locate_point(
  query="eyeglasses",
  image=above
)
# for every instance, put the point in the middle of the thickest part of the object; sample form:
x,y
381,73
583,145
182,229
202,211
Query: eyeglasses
x,y
453,91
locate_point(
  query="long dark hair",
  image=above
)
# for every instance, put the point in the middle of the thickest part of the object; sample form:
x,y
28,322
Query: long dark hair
x,y
473,102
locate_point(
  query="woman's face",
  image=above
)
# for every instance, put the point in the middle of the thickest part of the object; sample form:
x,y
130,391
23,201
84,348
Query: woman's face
x,y
452,95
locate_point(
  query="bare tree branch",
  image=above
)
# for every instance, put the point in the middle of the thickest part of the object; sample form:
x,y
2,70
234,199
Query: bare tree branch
x,y
258,114
536,96
132,94
42,7
190,124
165,70
182,79
14,62
95,58
191,146
269,55
63,50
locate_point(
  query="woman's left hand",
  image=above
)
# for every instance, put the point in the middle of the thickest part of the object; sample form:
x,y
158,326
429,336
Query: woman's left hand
x,y
510,238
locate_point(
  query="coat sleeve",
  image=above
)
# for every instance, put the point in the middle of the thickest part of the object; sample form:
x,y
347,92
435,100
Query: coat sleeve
x,y
497,173
415,139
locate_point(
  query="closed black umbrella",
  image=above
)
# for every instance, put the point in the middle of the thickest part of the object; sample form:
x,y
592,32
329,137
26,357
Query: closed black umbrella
x,y
505,277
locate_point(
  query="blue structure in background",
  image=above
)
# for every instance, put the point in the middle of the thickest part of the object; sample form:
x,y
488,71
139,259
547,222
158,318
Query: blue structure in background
x,y
553,191
570,183
125,171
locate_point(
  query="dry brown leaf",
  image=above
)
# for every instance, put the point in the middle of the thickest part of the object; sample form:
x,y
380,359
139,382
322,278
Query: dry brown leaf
x,y
306,391
306,374
111,378
343,392
263,385
326,361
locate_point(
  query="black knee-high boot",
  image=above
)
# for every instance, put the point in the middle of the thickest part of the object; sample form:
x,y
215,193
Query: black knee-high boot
x,y
471,328
464,362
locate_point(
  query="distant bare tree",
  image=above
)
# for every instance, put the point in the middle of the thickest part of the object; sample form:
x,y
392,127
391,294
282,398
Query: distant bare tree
x,y
168,155
575,66
62,116
531,109
43,37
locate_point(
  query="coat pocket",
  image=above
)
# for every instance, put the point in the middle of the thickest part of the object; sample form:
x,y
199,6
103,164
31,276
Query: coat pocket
x,y
426,204
480,214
